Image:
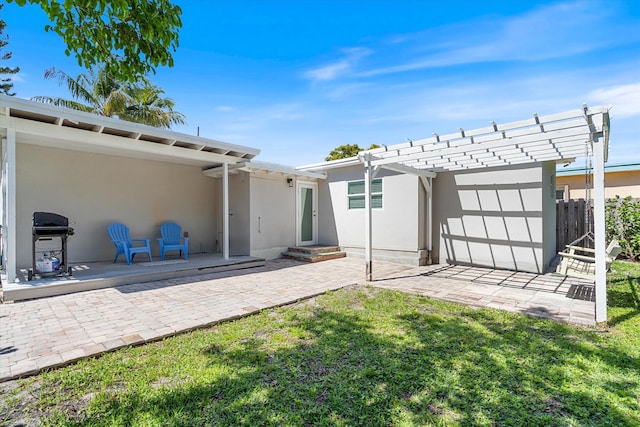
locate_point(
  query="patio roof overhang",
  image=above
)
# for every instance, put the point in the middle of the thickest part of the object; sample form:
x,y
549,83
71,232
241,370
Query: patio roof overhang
x,y
46,125
28,122
265,168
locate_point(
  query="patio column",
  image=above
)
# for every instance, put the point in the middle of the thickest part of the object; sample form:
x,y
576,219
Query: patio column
x,y
430,221
9,248
368,252
599,227
225,210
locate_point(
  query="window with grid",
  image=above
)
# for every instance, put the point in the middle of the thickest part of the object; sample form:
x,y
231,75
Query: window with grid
x,y
355,194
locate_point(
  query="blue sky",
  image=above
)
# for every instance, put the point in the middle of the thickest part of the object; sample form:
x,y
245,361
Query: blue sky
x,y
298,78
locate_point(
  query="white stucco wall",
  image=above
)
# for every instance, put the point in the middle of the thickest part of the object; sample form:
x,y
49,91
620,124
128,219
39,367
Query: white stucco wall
x,y
273,215
501,217
95,190
396,229
262,214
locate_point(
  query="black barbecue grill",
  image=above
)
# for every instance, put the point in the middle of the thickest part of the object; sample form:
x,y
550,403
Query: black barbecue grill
x,y
46,226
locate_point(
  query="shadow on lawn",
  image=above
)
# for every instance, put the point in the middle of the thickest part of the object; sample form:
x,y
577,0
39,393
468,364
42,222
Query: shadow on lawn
x,y
418,365
623,293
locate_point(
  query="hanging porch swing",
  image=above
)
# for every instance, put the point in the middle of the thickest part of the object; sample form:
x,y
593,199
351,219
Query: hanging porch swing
x,y
578,258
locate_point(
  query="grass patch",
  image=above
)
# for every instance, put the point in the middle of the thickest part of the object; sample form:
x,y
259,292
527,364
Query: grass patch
x,y
359,356
623,295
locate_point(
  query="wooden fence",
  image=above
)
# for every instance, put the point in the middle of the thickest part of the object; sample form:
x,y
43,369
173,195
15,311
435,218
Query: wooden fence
x,y
570,223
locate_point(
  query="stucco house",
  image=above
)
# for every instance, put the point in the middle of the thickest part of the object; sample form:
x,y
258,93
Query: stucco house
x,y
96,170
482,197
622,179
499,217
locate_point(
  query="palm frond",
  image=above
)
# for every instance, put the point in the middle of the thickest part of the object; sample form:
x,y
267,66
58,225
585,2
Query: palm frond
x,y
140,102
115,103
61,102
79,88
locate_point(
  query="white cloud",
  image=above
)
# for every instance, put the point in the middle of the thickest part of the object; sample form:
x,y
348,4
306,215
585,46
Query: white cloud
x,y
259,119
341,91
552,31
350,59
18,77
446,103
624,98
225,108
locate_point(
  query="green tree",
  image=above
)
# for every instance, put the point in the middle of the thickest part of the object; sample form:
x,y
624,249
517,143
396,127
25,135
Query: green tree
x,y
346,151
5,82
99,93
130,37
149,107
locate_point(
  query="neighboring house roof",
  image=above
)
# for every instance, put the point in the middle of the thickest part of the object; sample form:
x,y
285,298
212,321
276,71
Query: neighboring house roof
x,y
618,167
47,125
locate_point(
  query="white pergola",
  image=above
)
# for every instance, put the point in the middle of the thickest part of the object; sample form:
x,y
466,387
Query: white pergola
x,y
558,137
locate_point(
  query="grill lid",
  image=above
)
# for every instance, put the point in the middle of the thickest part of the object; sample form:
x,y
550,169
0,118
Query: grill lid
x,y
49,219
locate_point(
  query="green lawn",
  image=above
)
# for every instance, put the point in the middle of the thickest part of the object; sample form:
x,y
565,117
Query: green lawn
x,y
360,356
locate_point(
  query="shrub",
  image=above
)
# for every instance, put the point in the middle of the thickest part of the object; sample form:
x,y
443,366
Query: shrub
x,y
623,223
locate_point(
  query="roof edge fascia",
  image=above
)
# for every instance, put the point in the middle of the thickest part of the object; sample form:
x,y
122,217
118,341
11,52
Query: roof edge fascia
x,y
56,112
611,168
267,167
331,164
276,167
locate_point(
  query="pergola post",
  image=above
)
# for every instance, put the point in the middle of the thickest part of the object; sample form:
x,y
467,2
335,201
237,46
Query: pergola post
x,y
599,227
430,222
225,210
368,233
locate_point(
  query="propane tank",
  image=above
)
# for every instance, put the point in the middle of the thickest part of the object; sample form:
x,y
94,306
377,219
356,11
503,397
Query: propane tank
x,y
55,263
44,264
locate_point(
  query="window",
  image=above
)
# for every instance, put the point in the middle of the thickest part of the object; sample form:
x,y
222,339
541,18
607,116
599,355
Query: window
x,y
562,193
355,194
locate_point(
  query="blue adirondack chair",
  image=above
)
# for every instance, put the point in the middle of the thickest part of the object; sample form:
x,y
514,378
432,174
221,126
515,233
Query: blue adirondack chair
x,y
172,240
119,234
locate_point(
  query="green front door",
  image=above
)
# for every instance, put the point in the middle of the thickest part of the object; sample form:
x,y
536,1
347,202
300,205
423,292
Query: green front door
x,y
306,213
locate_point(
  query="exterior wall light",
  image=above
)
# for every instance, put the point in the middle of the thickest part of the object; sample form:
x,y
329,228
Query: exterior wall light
x,y
290,182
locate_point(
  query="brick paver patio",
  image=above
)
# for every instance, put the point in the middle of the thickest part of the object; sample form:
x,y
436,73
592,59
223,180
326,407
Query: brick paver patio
x,y
55,331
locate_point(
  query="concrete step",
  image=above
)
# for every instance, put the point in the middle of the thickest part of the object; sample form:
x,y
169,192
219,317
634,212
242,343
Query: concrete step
x,y
314,257
316,249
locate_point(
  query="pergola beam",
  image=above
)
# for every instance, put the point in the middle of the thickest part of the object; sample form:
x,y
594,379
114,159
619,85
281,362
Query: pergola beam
x,y
506,155
396,167
555,140
534,123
